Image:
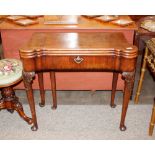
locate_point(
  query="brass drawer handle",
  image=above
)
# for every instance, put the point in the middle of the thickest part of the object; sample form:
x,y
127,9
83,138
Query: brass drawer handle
x,y
78,59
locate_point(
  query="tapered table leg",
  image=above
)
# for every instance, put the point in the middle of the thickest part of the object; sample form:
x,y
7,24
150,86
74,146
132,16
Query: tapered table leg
x,y
41,88
114,85
53,88
152,122
141,77
129,80
27,79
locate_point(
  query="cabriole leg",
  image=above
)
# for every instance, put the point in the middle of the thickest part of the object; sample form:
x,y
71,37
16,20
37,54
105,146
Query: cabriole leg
x,y
114,86
27,79
53,88
129,80
41,88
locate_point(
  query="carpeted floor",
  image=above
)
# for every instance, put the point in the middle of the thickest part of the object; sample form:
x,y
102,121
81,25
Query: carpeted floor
x,y
79,122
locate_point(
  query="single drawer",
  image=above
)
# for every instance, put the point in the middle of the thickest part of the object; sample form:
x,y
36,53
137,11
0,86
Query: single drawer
x,y
79,62
83,62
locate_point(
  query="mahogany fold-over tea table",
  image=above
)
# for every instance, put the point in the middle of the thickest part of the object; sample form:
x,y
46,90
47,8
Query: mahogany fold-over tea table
x,y
53,52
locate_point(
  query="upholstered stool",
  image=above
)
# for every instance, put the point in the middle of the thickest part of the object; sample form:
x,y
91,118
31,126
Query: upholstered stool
x,y
11,74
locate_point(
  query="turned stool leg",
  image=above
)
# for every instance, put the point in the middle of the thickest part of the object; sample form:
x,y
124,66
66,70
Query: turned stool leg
x,y
10,102
141,77
53,88
114,85
41,88
152,122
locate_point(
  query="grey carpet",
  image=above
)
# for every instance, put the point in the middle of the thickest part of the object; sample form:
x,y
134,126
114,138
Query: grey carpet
x,y
78,122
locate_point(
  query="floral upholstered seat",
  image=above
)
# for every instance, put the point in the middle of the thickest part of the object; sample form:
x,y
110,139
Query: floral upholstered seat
x,y
10,71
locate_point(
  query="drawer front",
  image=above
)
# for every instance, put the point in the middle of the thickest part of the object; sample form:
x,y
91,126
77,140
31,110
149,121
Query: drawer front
x,y
78,62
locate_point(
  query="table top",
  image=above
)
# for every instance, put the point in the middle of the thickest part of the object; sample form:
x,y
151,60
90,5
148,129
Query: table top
x,y
81,43
82,23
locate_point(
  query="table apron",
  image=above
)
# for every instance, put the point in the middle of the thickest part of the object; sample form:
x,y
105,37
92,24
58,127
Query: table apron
x,y
79,63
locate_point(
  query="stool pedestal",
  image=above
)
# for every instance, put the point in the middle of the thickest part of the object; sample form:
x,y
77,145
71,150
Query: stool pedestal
x,y
10,102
